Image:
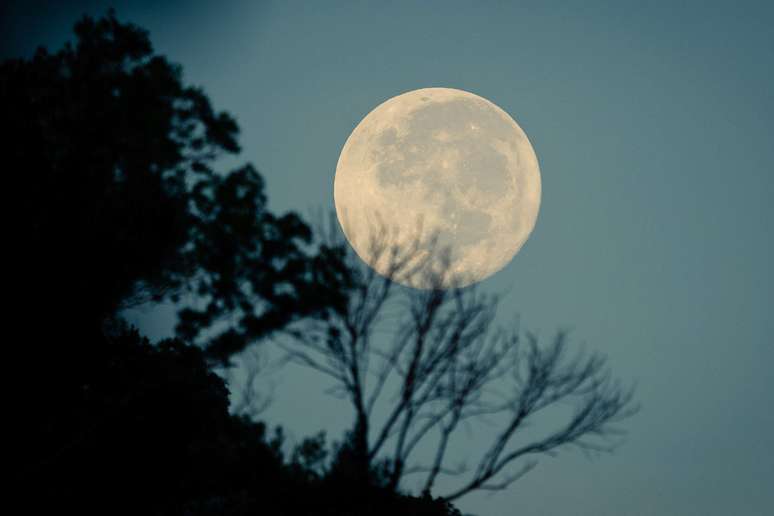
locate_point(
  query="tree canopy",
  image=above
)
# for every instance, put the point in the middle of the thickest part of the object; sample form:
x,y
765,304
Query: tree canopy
x,y
119,201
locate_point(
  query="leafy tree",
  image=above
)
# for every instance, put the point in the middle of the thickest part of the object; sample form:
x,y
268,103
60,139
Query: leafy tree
x,y
152,434
119,201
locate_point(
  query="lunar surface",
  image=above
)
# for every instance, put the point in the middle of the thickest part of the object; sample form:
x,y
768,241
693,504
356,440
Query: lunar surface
x,y
444,175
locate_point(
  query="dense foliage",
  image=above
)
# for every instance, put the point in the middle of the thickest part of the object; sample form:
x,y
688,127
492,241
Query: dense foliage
x,y
150,433
119,201
113,180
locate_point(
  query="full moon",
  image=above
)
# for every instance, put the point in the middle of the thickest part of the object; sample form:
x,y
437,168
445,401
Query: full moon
x,y
438,165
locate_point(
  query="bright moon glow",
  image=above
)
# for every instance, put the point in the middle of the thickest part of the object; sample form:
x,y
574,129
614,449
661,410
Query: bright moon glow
x,y
446,161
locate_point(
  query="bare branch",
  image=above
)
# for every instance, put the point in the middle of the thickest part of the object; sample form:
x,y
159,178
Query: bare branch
x,y
250,401
447,364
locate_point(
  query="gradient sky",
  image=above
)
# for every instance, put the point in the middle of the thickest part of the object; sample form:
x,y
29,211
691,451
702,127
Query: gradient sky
x,y
654,241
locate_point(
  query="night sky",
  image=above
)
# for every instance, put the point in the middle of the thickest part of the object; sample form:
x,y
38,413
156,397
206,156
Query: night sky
x,y
654,242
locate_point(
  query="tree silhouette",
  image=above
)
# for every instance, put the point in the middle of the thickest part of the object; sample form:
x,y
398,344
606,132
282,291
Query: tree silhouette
x,y
117,202
114,182
446,363
120,202
152,434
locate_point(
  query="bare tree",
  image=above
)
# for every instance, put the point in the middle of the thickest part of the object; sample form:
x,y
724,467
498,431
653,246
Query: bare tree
x,y
447,363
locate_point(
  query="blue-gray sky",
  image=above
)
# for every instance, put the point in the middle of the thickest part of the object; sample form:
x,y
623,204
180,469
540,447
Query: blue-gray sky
x,y
654,241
